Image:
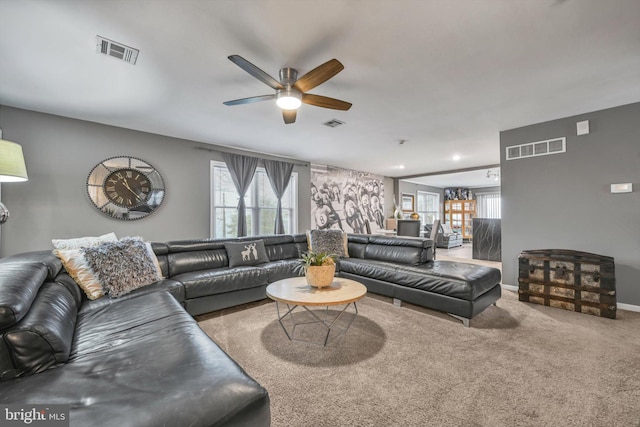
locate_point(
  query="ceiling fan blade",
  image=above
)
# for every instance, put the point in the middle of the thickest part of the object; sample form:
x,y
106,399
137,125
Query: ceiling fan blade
x,y
325,102
255,71
289,116
250,100
318,75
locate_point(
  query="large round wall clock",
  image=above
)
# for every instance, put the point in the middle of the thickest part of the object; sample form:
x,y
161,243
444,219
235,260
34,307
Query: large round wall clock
x,y
125,188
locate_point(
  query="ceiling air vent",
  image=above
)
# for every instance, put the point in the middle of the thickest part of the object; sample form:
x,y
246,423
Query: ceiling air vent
x,y
540,148
116,50
333,123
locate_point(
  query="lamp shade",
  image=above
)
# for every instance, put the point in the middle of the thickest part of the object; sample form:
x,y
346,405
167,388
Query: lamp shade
x,y
12,167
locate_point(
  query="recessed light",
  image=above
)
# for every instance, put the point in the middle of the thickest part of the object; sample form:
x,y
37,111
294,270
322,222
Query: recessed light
x,y
456,157
399,167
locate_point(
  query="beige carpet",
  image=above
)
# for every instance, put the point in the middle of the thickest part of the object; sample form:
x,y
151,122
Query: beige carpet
x,y
518,365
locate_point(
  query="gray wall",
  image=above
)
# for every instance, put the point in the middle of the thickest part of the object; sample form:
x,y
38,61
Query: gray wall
x,y
411,188
389,195
60,152
563,201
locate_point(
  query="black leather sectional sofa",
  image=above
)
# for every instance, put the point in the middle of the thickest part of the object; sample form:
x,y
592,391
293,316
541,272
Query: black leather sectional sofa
x,y
404,269
142,360
139,360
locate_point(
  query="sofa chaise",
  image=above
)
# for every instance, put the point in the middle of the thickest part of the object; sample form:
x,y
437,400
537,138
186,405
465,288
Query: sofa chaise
x,y
107,358
404,270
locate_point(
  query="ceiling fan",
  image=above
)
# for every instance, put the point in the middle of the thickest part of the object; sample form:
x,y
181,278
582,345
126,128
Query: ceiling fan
x,y
291,91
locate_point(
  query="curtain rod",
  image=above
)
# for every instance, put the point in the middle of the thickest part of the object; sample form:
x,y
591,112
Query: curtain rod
x,y
236,151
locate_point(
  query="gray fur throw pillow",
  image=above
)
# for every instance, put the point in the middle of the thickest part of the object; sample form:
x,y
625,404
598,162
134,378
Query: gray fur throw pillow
x,y
328,241
122,266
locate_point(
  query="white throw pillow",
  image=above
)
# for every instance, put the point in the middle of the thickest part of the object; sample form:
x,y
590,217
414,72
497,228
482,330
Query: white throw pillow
x,y
77,267
82,242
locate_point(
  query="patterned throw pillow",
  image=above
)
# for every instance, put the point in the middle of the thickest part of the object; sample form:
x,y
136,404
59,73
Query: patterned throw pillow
x,y
77,267
329,241
246,253
446,229
122,266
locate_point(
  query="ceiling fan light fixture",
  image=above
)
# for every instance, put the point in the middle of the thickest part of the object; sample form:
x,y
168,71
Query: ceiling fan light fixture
x,y
291,91
289,99
495,175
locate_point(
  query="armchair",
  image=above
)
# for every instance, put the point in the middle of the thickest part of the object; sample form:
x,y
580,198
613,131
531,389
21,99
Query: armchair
x,y
447,238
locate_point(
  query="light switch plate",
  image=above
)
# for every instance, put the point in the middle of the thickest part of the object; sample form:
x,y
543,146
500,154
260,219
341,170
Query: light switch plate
x,y
582,128
622,188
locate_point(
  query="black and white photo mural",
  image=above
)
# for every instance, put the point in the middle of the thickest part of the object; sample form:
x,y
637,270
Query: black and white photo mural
x,y
346,200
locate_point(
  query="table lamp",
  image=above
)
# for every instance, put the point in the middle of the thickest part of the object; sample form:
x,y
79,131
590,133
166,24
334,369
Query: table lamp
x,y
12,169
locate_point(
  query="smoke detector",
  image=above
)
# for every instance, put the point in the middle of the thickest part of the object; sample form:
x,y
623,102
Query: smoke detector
x,y
116,50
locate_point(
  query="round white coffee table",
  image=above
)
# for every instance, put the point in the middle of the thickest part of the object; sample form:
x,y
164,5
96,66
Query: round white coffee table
x,y
295,292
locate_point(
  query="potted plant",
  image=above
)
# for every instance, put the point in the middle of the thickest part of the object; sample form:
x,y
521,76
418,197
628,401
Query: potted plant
x,y
319,268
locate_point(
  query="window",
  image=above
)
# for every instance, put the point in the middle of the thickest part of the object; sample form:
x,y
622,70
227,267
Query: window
x,y
260,200
428,207
488,205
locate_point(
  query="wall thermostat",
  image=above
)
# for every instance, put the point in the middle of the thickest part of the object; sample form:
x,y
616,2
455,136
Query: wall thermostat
x,y
582,128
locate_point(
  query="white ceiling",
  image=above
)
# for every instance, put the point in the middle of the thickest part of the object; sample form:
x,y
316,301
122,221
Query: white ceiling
x,y
445,75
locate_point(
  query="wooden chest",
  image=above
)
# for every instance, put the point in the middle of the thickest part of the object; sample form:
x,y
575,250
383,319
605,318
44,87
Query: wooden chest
x,y
572,280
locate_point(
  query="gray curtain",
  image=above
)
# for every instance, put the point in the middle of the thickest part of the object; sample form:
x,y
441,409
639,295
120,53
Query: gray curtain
x,y
279,174
241,169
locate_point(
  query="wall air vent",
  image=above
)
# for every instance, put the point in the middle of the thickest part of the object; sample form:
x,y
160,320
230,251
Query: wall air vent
x,y
333,123
116,50
540,148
